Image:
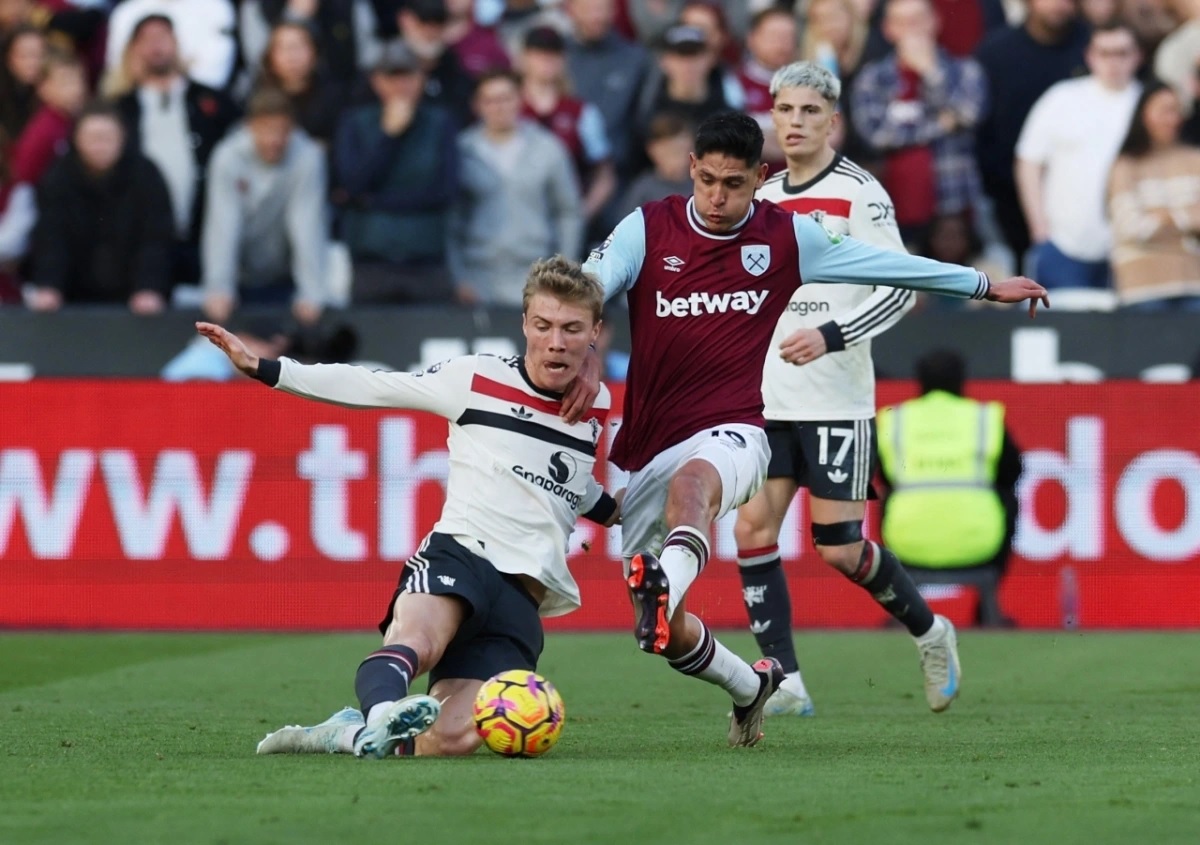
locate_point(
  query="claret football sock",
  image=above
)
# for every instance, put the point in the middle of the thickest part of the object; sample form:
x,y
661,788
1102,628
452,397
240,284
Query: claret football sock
x,y
765,593
880,573
384,676
684,555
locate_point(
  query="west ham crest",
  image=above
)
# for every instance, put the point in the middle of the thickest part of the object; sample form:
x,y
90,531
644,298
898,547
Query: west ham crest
x,y
756,258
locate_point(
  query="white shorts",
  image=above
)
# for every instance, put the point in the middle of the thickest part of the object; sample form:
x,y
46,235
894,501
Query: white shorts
x,y
738,452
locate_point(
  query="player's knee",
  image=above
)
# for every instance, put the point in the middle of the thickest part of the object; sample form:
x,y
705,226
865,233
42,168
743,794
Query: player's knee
x,y
690,495
458,741
839,544
750,533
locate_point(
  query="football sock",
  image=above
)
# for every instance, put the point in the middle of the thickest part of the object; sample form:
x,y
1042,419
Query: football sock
x,y
384,677
710,661
684,554
765,592
880,573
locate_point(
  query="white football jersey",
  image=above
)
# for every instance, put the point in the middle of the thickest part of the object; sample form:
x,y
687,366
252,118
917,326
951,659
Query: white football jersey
x,y
519,475
839,385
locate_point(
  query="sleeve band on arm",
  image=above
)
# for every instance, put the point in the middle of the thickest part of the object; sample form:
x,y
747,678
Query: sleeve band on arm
x,y
603,510
268,371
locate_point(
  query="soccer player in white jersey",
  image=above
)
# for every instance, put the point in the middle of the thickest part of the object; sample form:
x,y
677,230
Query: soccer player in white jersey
x,y
468,602
819,396
707,279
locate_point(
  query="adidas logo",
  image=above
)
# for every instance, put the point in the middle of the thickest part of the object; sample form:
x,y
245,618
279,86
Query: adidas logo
x,y
521,414
837,476
757,628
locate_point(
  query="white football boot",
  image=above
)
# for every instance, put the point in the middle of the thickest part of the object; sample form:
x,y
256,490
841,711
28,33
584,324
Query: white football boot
x,y
403,720
791,699
324,738
939,662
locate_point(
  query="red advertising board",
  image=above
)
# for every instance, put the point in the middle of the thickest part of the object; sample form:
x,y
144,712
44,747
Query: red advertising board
x,y
140,505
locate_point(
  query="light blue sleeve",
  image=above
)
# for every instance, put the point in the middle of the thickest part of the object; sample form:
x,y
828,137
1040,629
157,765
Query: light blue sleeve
x,y
594,135
829,258
618,261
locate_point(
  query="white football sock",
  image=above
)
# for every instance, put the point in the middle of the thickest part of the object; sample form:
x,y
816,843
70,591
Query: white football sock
x,y
684,554
794,684
710,661
377,710
935,632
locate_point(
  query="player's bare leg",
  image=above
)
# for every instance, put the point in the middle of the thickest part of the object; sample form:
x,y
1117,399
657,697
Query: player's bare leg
x,y
765,590
453,734
659,585
837,532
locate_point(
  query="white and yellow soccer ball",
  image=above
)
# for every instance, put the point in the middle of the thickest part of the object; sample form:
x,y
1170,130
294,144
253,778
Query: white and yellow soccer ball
x,y
519,714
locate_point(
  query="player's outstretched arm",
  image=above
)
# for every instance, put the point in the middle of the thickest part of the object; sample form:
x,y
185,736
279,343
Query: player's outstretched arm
x,y
1018,289
242,358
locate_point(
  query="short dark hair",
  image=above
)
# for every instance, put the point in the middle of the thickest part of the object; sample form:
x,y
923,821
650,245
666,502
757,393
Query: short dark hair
x,y
494,74
269,101
942,369
667,124
730,133
1137,139
154,17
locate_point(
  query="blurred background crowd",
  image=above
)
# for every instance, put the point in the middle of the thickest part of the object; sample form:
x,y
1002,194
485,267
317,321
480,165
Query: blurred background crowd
x,y
323,153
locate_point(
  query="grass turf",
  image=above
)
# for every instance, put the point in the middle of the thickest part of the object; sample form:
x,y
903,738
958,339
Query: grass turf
x,y
1058,738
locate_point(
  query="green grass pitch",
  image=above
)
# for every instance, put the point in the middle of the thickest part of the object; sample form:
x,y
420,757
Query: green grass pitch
x,y
1057,738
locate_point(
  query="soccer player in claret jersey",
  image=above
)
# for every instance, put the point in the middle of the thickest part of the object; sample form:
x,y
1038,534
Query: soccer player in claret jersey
x,y
468,602
819,392
707,279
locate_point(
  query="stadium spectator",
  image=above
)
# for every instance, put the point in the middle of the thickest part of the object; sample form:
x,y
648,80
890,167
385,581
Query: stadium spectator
x,y
176,122
291,63
265,232
649,20
422,25
202,361
518,198
606,70
1175,60
1190,134
1064,155
709,18
23,56
577,124
770,45
918,108
668,146
1099,12
1048,48
343,32
944,453
1150,21
477,47
104,228
517,17
835,37
395,164
1154,205
207,31
684,81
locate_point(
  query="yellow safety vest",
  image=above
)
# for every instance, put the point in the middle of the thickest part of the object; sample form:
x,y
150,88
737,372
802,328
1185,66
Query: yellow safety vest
x,y
940,452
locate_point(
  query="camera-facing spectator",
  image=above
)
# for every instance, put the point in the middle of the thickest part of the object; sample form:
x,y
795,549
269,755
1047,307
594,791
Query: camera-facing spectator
x,y
577,124
291,63
477,47
1176,60
1064,154
918,109
518,199
770,45
23,54
176,122
668,146
265,232
207,31
104,229
422,25
606,70
1154,204
396,168
344,31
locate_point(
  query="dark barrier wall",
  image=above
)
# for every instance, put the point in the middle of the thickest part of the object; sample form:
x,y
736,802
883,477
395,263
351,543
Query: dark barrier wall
x,y
136,504
999,343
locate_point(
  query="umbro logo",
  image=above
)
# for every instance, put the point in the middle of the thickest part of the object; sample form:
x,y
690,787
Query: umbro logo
x,y
521,414
446,580
837,476
759,627
672,264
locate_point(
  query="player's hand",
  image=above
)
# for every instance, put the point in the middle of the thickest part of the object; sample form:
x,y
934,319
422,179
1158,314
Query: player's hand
x,y
147,302
229,343
803,347
1019,289
582,393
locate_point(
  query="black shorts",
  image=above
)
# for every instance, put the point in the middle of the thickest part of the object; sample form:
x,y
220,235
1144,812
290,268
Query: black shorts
x,y
502,629
834,459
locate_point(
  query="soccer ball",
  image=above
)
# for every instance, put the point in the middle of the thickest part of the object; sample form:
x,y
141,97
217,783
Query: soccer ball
x,y
519,714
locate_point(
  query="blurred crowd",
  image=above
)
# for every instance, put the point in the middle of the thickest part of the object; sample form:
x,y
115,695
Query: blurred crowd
x,y
320,153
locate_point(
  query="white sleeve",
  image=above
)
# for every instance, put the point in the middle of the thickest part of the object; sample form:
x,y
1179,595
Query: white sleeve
x,y
618,261
443,389
873,218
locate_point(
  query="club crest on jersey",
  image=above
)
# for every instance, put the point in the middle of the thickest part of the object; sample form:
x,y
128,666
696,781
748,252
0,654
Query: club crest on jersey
x,y
756,258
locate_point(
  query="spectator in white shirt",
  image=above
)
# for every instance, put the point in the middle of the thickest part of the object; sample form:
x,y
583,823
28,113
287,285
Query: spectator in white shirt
x,y
207,35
